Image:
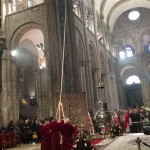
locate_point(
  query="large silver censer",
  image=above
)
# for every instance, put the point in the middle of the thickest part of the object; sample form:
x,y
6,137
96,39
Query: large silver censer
x,y
103,116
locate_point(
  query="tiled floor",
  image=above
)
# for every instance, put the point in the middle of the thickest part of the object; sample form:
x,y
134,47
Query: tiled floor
x,y
27,147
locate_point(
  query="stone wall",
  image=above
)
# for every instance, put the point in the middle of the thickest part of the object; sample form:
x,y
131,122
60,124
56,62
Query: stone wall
x,y
131,33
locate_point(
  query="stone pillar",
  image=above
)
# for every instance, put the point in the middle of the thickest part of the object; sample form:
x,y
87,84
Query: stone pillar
x,y
108,90
82,73
9,87
47,99
43,81
4,101
14,8
3,12
87,64
145,91
48,86
114,98
39,113
15,100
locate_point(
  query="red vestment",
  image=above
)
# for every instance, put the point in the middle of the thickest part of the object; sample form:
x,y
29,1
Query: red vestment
x,y
67,131
45,141
55,135
1,145
126,120
116,120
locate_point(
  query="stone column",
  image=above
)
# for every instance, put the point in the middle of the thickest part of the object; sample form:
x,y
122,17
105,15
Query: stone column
x,y
87,64
4,101
144,89
108,90
15,101
47,99
43,92
39,113
114,98
14,9
9,86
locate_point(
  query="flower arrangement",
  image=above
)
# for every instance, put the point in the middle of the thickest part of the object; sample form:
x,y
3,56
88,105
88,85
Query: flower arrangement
x,y
81,141
115,130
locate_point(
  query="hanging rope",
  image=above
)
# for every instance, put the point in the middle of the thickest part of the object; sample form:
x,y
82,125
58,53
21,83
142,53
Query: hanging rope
x,y
60,105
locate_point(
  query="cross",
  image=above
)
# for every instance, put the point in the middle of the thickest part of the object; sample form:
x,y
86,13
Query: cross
x,y
138,141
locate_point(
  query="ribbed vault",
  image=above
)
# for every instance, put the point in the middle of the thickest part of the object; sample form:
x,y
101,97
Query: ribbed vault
x,y
112,9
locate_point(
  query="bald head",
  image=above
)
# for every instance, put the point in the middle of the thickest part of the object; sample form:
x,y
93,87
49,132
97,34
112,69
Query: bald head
x,y
67,120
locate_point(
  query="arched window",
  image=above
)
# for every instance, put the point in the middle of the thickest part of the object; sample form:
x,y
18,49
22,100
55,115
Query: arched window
x,y
133,80
149,46
127,52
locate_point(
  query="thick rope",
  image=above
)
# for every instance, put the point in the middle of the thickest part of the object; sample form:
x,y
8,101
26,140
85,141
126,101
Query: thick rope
x,y
60,106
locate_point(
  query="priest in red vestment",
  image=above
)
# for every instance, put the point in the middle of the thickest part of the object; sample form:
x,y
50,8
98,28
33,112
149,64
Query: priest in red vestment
x,y
126,120
67,130
45,134
55,127
116,119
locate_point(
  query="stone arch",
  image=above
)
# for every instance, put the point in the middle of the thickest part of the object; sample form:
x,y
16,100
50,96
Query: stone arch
x,y
80,42
26,36
148,70
92,53
81,60
127,71
28,39
145,37
14,38
130,41
121,7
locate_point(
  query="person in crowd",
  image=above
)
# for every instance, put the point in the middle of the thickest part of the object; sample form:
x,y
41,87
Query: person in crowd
x,y
67,131
10,126
45,136
2,129
126,121
121,117
115,119
26,132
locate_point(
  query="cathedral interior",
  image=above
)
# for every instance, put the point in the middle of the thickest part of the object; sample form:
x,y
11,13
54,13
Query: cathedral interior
x,y
78,51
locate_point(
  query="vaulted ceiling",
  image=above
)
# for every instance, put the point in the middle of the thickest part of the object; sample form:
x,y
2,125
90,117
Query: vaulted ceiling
x,y
112,9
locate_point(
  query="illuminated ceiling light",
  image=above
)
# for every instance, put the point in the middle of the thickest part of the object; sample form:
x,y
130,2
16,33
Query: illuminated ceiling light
x,y
134,15
14,53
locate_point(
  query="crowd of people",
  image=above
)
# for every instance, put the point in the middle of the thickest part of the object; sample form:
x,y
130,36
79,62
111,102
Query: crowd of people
x,y
57,135
52,134
131,119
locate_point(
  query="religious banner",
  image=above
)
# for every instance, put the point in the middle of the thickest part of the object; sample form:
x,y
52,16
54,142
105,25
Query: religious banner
x,y
74,106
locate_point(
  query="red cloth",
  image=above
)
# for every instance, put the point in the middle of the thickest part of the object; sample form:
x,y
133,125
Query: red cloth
x,y
45,133
96,141
67,131
2,141
75,131
126,120
55,135
116,120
